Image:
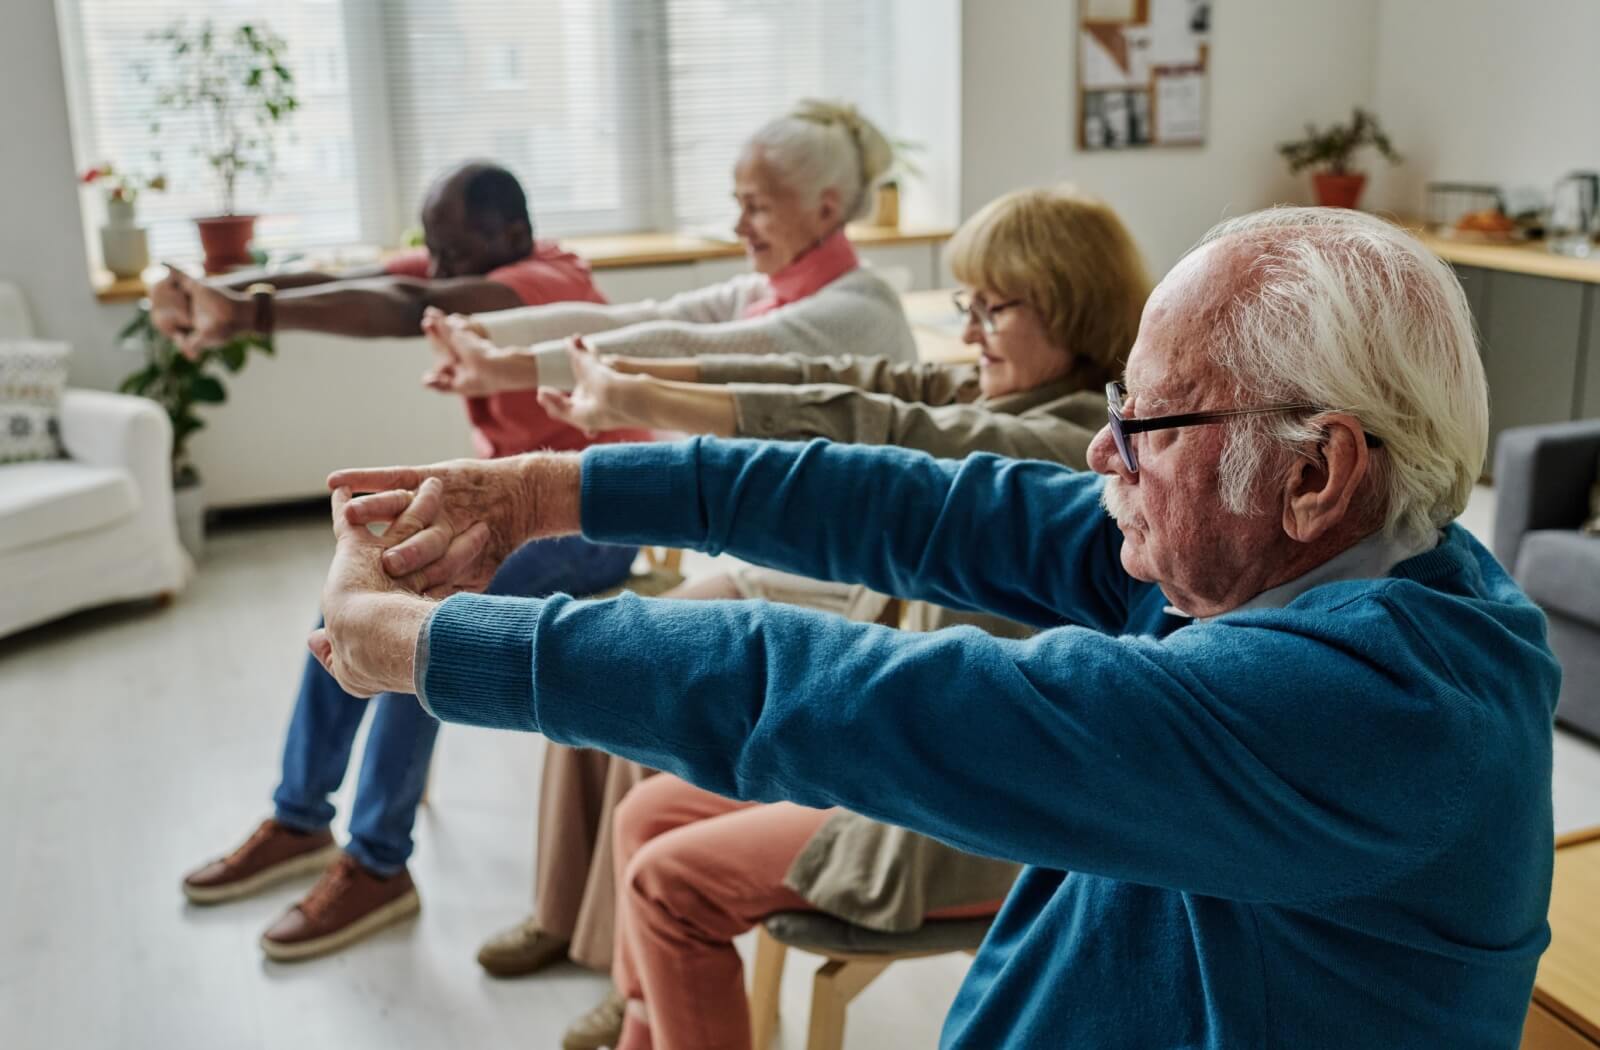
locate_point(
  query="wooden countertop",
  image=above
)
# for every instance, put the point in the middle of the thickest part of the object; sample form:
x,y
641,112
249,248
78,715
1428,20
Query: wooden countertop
x,y
1529,257
1568,984
613,251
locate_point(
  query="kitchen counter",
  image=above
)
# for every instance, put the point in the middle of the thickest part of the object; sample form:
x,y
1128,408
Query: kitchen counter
x,y
1530,257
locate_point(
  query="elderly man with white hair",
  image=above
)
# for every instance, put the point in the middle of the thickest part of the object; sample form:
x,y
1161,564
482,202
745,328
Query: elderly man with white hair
x,y
1281,768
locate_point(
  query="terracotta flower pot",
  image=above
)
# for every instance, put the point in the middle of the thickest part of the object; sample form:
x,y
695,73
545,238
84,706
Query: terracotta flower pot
x,y
1338,191
226,240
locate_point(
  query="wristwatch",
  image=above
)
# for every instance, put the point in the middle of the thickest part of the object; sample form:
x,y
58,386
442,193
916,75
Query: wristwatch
x,y
262,293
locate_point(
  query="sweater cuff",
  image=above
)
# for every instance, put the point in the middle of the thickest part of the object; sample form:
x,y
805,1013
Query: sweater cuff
x,y
555,367
643,494
762,411
475,661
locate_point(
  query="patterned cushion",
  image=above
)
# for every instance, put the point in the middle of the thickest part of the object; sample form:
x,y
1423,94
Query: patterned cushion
x,y
33,375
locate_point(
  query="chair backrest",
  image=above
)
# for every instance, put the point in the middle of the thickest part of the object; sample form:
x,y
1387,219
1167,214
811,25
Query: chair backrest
x,y
15,321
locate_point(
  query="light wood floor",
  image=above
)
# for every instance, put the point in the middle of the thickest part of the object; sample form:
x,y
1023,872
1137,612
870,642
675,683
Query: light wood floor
x,y
137,741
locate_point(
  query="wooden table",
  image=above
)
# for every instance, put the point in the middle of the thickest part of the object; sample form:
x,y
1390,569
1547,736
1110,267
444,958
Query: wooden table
x,y
1565,1013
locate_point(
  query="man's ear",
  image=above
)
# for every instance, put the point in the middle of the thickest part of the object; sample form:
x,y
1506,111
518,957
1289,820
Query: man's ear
x,y
1323,483
519,238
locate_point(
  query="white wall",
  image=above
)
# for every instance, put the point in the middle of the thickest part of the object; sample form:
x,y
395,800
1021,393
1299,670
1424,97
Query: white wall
x,y
1274,65
41,228
1485,90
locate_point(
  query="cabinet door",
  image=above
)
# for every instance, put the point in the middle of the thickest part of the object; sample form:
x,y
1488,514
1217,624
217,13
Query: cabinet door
x,y
1589,397
1475,282
1533,334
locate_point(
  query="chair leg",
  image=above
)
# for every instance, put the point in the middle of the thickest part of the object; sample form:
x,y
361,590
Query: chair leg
x,y
837,982
765,987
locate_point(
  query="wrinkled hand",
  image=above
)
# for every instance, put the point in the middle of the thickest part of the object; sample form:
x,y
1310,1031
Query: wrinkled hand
x,y
485,510
462,354
370,621
598,398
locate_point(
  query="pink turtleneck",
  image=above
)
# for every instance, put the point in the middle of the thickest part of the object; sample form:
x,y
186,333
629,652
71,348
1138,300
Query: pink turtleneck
x,y
816,267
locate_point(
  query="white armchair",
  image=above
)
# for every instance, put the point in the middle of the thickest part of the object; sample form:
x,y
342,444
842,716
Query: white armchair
x,y
98,526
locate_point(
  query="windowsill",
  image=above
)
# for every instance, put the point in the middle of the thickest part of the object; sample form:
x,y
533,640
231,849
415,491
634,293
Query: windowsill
x,y
617,251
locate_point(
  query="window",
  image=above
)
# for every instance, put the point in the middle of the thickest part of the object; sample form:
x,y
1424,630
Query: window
x,y
616,114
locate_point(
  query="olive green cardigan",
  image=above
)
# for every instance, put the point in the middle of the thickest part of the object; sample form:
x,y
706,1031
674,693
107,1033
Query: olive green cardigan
x,y
877,875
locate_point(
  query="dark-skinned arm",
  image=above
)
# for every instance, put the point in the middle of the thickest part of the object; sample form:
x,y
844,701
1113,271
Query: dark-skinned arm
x,y
366,308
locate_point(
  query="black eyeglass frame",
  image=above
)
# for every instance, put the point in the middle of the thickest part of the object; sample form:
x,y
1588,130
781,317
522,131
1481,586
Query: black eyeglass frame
x,y
968,306
1122,429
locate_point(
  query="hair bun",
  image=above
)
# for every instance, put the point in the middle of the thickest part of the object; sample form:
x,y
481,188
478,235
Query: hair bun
x,y
876,153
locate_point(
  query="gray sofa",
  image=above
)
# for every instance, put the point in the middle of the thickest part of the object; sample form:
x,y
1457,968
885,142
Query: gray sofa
x,y
1543,477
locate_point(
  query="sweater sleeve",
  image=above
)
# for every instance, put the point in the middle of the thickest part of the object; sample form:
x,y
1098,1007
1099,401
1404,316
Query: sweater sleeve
x,y
842,414
897,521
856,312
1229,759
925,382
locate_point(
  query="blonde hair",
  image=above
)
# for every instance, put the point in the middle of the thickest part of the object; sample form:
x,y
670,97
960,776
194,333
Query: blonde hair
x,y
821,145
1068,256
1349,312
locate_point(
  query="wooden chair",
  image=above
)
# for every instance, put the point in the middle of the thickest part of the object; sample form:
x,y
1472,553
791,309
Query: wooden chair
x,y
855,957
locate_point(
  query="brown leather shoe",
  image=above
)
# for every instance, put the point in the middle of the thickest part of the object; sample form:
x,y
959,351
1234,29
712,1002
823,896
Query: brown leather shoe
x,y
600,1027
272,854
523,949
347,904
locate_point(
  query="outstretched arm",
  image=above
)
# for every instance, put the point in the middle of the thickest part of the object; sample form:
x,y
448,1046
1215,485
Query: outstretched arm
x,y
1023,540
363,307
1179,763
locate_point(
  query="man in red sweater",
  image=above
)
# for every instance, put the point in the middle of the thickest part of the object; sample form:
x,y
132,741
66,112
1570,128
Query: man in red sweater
x,y
481,255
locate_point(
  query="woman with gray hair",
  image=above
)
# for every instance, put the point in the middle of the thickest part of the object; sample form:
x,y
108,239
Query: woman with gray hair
x,y
799,180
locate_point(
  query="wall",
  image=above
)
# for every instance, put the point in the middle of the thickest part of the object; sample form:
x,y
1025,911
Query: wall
x,y
1274,66
1482,90
41,228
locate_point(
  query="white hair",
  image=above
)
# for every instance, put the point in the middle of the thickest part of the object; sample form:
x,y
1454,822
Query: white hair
x,y
1348,312
822,145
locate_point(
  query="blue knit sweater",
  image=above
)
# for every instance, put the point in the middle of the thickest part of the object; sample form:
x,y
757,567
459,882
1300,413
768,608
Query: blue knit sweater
x,y
1322,825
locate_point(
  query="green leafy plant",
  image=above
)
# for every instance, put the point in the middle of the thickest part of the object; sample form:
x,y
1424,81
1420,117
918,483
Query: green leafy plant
x,y
1330,150
241,88
904,165
179,384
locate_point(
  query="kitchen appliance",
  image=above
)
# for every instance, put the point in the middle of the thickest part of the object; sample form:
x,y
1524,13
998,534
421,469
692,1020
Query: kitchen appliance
x,y
1574,214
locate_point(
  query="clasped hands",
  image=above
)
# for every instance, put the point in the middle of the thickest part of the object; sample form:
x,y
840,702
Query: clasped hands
x,y
447,528
468,363
196,315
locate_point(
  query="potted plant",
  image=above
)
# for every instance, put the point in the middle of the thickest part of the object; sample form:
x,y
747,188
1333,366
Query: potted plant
x,y
886,199
242,91
180,384
124,246
1329,151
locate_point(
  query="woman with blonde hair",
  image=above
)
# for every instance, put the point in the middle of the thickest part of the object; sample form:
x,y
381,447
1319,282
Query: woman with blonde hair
x,y
799,179
1054,290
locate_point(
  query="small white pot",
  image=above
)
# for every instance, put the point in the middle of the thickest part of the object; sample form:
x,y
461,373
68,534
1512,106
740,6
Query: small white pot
x,y
124,247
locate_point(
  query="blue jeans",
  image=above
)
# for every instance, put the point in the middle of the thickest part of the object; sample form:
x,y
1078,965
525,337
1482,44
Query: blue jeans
x,y
394,769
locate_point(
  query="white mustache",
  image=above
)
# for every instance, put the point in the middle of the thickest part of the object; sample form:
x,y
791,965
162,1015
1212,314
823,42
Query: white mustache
x,y
1113,500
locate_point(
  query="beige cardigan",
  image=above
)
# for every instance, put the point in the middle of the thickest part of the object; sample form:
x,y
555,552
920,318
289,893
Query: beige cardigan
x,y
878,875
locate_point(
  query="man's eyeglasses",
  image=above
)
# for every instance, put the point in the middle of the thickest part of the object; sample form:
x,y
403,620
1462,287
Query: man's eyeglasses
x,y
981,311
1123,429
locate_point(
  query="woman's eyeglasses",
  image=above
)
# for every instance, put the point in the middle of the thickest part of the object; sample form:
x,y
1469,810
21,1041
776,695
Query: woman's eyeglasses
x,y
1122,429
981,311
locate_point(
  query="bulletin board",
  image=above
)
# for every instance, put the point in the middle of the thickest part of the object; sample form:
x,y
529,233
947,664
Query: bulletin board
x,y
1143,73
